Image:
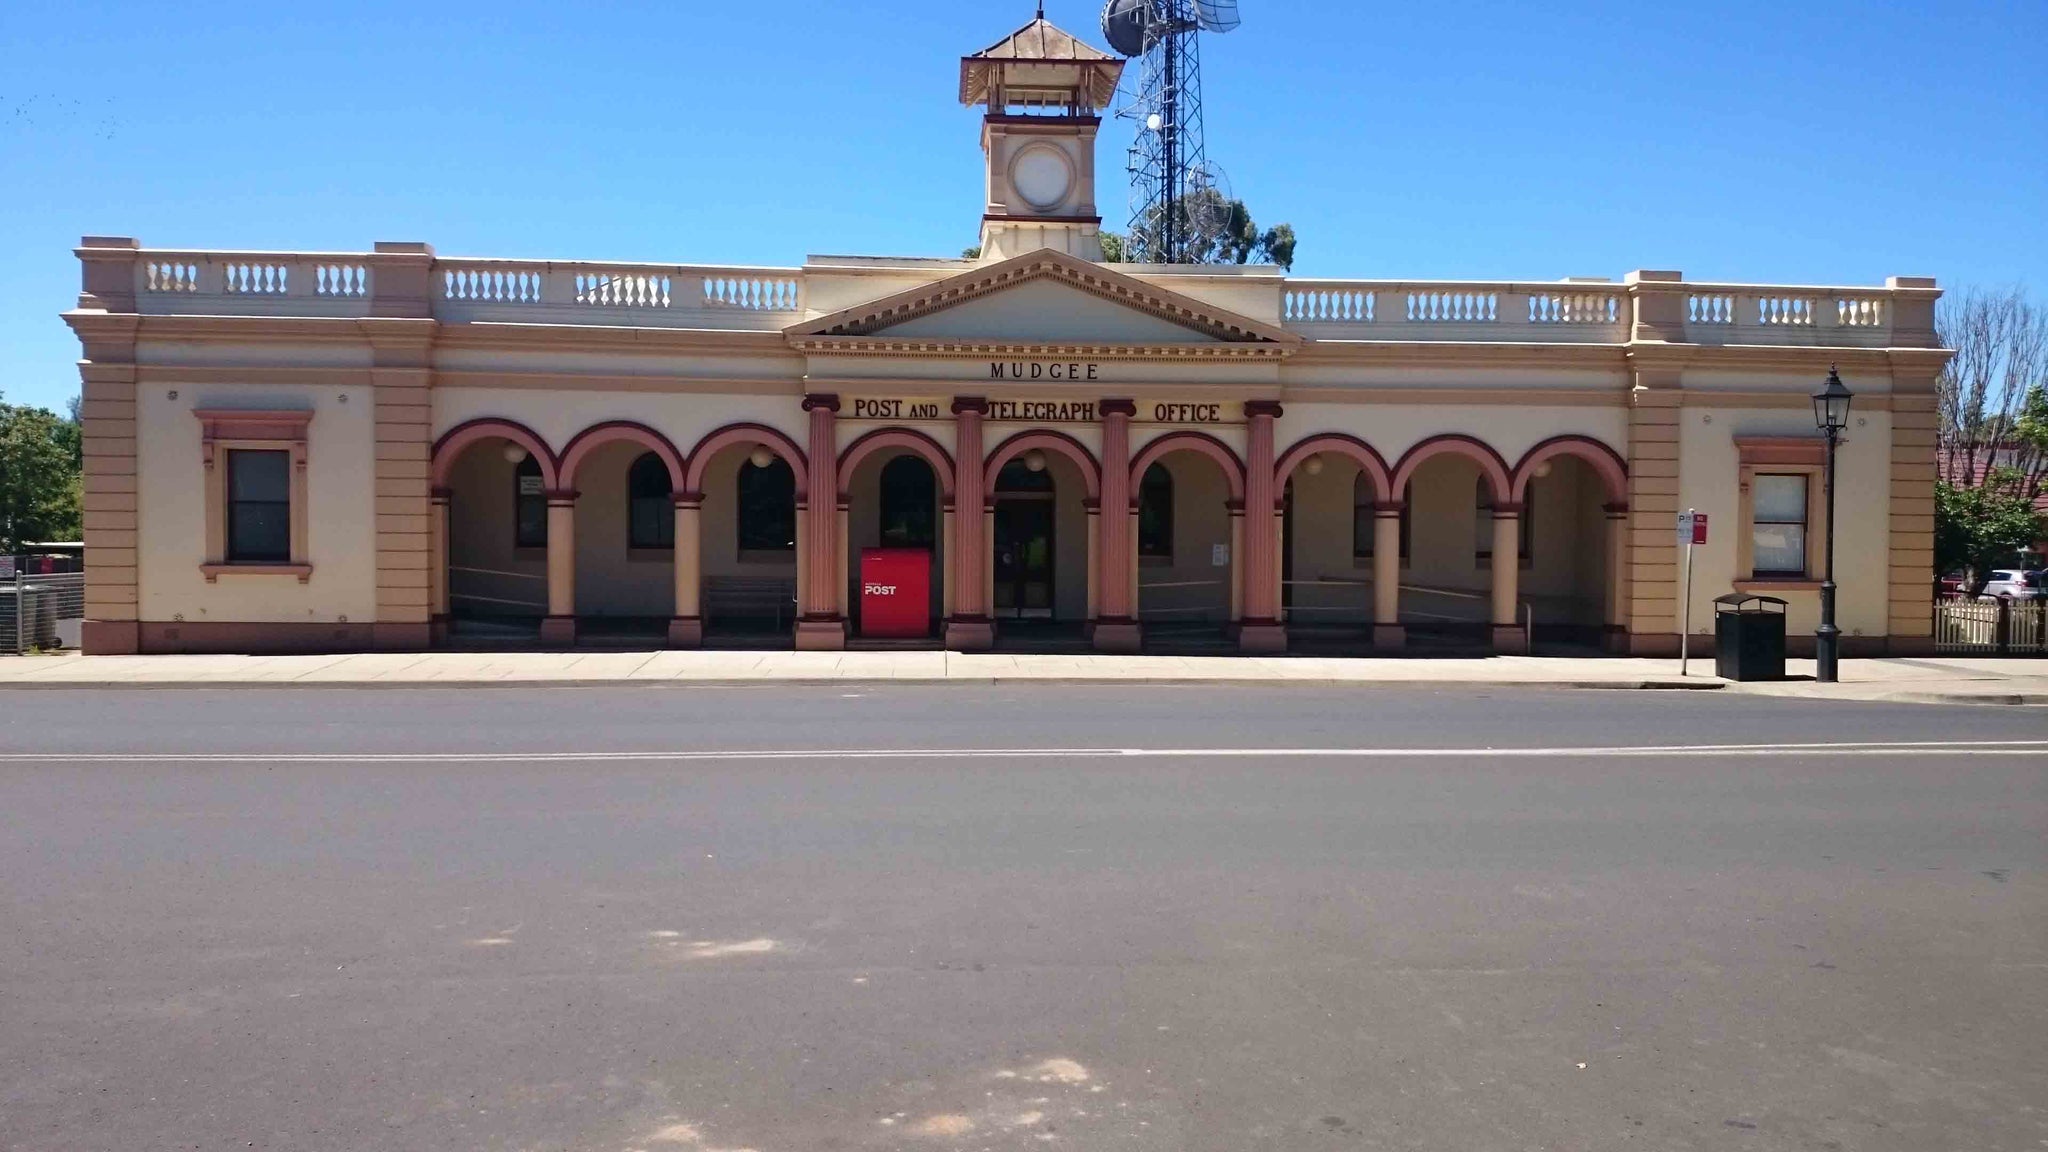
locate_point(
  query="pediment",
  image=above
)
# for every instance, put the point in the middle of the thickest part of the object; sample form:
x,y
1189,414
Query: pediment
x,y
1038,299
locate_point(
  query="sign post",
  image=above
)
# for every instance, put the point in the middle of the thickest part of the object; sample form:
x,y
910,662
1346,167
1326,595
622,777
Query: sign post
x,y
1692,529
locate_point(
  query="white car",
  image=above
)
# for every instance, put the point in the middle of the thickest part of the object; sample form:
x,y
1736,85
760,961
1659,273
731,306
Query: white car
x,y
2015,584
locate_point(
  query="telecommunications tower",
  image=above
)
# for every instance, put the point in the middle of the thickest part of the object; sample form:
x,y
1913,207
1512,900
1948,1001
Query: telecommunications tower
x,y
1172,181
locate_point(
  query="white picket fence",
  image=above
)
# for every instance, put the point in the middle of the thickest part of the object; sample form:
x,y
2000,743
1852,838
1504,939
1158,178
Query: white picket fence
x,y
1991,627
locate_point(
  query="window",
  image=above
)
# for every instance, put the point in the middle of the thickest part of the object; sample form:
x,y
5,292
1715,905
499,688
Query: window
x,y
530,500
650,511
1364,510
1777,533
256,513
909,508
1155,513
1482,526
259,520
767,507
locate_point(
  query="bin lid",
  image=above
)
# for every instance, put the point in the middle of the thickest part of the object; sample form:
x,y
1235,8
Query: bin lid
x,y
1739,601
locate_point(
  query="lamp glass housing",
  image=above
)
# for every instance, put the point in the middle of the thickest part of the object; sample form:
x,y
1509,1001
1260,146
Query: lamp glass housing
x,y
1831,405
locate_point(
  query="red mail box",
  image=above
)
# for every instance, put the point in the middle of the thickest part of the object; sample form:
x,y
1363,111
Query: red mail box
x,y
895,593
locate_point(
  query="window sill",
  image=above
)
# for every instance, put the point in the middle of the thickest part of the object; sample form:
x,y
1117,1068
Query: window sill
x,y
1777,584
215,571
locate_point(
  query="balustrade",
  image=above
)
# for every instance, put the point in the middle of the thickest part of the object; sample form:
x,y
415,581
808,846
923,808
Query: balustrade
x,y
1589,311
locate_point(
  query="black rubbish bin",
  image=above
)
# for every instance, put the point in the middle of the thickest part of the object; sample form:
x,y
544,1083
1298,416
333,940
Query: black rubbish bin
x,y
1749,637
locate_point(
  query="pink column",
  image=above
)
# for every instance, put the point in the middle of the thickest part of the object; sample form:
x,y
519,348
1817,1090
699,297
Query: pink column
x,y
1116,628
686,626
970,628
821,579
1259,567
558,628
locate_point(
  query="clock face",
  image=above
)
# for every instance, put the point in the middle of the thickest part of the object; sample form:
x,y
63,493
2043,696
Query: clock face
x,y
1042,176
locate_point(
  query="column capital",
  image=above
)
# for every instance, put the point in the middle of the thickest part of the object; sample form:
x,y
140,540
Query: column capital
x,y
1508,511
1256,408
1117,407
1391,509
440,495
829,401
963,405
561,497
686,499
1615,511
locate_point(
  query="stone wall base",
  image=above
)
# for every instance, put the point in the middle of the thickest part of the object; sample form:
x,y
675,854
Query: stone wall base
x,y
824,635
256,638
1261,638
1118,636
402,637
970,634
686,632
110,638
558,631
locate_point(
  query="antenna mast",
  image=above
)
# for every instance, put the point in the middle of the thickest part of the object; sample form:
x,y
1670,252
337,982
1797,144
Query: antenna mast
x,y
1168,160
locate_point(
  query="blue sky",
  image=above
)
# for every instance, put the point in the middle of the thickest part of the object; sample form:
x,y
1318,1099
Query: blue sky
x,y
1805,143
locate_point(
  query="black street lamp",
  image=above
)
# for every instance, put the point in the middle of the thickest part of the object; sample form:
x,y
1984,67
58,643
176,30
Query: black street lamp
x,y
1831,413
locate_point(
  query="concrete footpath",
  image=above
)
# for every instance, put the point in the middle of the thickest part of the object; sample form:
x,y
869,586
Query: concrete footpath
x,y
1935,680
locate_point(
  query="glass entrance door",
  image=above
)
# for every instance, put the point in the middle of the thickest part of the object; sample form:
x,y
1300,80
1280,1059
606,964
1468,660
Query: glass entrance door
x,y
1023,558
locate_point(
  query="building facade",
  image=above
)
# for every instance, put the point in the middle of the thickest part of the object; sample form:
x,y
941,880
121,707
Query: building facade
x,y
397,449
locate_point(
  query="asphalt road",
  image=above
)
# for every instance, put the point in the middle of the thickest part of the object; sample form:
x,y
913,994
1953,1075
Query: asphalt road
x,y
549,919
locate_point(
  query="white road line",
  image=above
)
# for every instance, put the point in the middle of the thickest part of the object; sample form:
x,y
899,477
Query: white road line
x,y
1902,748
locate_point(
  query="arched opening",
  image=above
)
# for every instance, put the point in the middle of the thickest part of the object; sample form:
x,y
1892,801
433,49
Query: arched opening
x,y
909,504
1042,536
1186,548
1328,544
1566,551
747,545
496,524
624,541
893,505
1039,576
1446,576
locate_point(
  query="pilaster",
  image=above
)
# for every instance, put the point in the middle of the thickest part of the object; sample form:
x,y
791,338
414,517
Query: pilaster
x,y
1258,567
1653,492
401,386
106,327
822,623
559,628
1910,549
1116,628
686,626
969,626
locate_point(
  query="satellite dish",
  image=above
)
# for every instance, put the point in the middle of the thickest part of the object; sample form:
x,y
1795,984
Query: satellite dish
x,y
1216,15
1126,25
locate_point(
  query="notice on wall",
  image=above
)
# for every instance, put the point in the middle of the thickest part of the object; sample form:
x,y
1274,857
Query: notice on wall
x,y
1219,555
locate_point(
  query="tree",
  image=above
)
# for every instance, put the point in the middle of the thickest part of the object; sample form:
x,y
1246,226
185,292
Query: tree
x,y
40,454
1979,526
1993,396
1211,229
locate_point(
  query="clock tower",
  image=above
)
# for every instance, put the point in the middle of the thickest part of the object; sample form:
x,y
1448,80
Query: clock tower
x,y
1043,89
